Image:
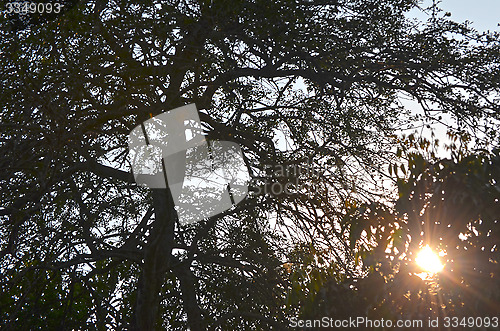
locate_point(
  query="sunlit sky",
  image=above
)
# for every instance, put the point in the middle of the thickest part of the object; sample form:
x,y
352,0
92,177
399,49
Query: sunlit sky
x,y
485,14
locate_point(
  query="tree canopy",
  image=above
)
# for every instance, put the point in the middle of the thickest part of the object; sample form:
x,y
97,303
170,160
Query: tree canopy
x,y
313,85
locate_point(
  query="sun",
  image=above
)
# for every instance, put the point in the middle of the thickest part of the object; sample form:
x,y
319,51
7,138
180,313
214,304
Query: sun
x,y
429,261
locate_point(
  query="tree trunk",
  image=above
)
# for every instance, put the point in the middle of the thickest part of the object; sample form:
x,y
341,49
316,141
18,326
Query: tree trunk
x,y
156,262
189,299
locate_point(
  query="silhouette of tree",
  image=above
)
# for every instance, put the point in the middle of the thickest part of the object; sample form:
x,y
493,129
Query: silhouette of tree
x,y
453,206
311,91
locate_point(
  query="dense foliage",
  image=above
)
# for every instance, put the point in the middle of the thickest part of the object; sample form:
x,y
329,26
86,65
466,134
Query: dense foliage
x,y
315,85
452,205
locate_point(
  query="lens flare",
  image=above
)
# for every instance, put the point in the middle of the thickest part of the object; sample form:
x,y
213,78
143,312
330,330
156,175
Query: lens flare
x,y
429,261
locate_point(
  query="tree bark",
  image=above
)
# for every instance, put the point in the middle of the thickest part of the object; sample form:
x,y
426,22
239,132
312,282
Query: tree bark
x,y
156,262
189,299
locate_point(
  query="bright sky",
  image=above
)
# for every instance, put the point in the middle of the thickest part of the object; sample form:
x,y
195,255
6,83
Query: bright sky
x,y
485,14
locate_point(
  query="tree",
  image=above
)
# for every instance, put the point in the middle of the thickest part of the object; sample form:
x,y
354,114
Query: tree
x,y
82,246
453,205
450,204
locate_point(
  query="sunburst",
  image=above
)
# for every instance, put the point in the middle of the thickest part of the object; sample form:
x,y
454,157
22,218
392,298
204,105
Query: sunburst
x,y
429,261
